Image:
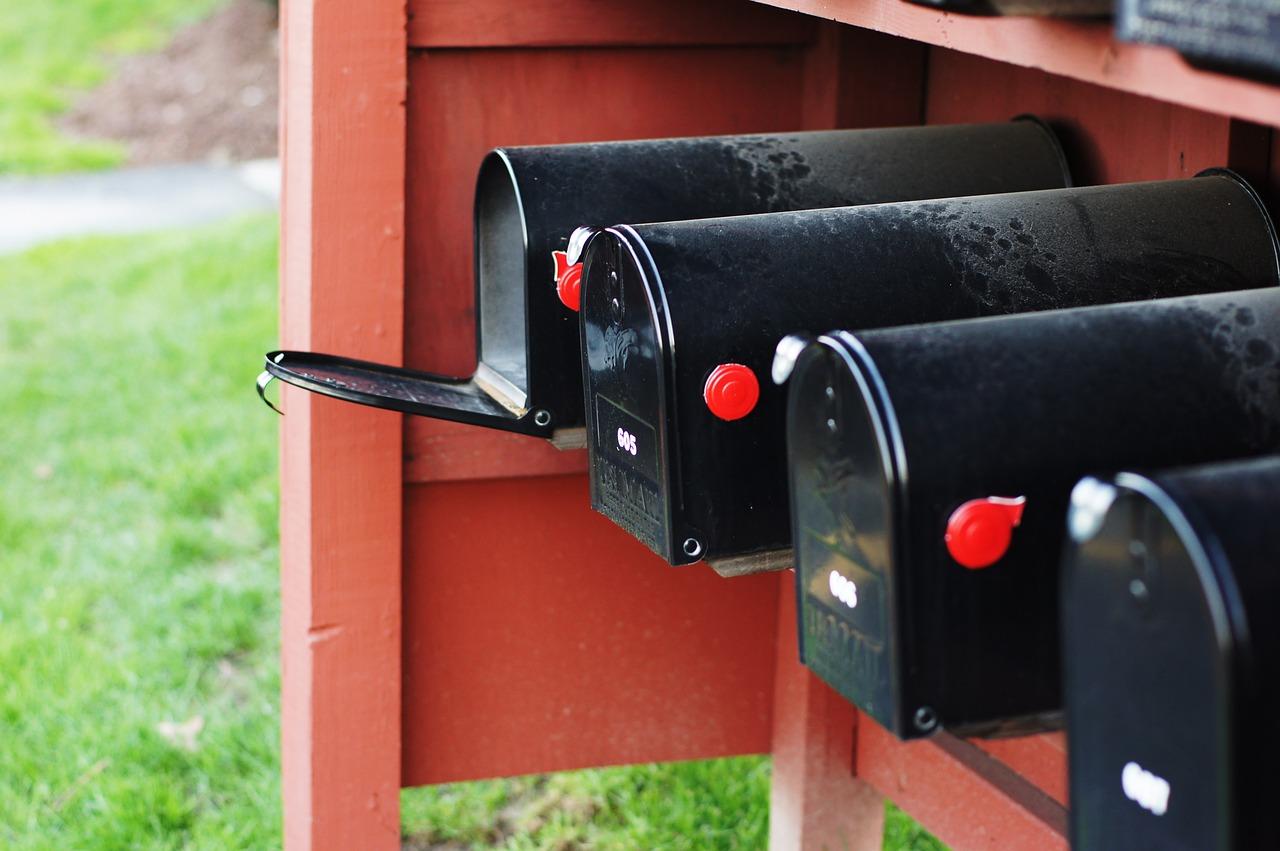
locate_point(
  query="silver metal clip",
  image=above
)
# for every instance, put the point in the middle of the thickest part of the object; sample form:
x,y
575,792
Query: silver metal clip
x,y
264,379
578,242
785,355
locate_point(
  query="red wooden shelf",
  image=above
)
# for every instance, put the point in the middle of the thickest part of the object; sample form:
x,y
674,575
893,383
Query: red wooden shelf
x,y
1082,50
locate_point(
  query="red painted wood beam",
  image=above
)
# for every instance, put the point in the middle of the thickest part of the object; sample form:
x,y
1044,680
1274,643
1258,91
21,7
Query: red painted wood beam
x,y
963,795
541,637
342,285
1079,49
600,23
1041,759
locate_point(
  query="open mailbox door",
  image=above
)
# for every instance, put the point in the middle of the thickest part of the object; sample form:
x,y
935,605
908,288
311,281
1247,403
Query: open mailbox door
x,y
530,201
1171,635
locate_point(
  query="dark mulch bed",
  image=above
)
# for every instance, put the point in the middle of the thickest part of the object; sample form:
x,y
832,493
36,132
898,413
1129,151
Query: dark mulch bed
x,y
211,94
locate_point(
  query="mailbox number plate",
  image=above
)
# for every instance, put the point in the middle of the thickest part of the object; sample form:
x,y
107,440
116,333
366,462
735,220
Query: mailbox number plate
x,y
626,438
627,469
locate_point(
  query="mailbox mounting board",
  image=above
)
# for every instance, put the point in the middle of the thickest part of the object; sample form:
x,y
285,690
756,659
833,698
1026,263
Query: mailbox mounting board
x,y
386,117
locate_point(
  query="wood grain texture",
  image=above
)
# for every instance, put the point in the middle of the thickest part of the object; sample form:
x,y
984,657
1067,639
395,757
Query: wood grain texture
x,y
540,637
440,451
861,78
342,258
1076,49
1109,136
600,23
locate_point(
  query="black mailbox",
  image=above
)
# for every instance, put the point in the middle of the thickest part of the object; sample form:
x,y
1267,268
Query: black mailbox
x,y
1170,606
680,321
529,201
930,473
1233,35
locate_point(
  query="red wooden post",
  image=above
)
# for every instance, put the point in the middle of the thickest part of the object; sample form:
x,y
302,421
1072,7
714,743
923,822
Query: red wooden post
x,y
342,260
815,800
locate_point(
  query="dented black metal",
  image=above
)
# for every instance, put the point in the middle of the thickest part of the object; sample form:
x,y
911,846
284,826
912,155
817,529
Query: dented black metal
x,y
664,304
1171,641
891,431
530,200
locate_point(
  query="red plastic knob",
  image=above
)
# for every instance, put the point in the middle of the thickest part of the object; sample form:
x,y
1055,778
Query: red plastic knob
x,y
568,280
979,531
731,391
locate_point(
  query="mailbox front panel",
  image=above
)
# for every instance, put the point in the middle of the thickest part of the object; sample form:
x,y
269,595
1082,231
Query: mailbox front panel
x,y
1147,680
843,517
627,402
1019,408
733,287
1171,591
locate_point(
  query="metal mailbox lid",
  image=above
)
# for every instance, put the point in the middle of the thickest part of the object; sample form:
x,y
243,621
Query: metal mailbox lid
x,y
1169,605
1022,407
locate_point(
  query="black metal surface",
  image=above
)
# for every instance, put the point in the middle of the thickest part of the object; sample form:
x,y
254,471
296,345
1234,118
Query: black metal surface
x,y
529,201
1239,36
1057,8
663,304
1171,592
1014,406
383,386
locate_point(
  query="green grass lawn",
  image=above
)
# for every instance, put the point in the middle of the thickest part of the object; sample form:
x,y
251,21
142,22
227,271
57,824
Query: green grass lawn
x,y
139,610
50,50
138,544
693,805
